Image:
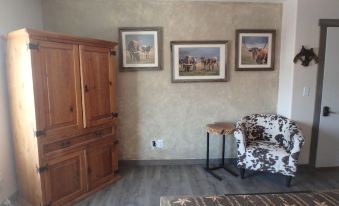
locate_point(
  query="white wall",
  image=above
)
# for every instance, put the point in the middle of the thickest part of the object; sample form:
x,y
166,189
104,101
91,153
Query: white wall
x,y
288,34
307,31
308,34
14,14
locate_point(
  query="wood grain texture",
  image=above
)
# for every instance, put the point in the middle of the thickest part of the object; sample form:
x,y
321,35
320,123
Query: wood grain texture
x,y
45,95
23,118
144,185
100,164
220,128
57,91
97,80
65,178
58,37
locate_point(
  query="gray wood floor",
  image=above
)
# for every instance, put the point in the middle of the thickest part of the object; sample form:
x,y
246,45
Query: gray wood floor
x,y
144,185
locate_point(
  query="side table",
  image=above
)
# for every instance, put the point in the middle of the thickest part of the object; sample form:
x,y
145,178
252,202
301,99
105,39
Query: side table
x,y
219,128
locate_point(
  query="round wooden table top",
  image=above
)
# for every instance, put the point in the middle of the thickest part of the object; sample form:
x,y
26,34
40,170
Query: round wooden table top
x,y
220,128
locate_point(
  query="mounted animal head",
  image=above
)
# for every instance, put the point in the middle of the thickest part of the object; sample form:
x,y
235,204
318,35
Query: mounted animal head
x,y
306,56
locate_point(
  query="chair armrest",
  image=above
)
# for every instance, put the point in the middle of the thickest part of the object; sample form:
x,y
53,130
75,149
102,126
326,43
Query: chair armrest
x,y
240,136
297,140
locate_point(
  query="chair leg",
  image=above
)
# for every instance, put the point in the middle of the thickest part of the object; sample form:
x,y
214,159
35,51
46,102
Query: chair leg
x,y
288,181
242,173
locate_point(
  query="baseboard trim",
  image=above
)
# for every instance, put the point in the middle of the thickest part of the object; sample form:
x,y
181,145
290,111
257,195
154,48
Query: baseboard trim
x,y
301,167
304,167
172,162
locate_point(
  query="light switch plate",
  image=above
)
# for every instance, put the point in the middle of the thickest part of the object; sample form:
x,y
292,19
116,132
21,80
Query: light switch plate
x,y
306,92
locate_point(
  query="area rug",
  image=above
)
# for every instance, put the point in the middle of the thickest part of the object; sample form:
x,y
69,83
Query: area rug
x,y
321,198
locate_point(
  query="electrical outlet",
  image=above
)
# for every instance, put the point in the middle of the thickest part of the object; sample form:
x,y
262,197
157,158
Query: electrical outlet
x,y
306,92
157,144
160,143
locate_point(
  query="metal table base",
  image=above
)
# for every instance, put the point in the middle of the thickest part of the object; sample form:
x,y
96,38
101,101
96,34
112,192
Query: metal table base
x,y
222,165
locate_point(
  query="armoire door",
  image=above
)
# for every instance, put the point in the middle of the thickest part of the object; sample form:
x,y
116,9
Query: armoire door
x,y
100,162
57,89
98,80
65,178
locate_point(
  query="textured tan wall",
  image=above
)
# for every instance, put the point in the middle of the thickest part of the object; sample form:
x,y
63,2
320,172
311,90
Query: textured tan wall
x,y
150,105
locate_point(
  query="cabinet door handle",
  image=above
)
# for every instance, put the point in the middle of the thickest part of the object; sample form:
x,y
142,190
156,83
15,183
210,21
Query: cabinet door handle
x,y
86,88
65,144
115,114
98,134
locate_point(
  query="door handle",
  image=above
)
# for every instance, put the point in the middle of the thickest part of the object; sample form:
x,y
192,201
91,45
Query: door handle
x,y
327,111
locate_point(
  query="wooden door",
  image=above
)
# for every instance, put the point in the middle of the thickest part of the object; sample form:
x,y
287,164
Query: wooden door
x,y
101,163
57,89
98,85
64,178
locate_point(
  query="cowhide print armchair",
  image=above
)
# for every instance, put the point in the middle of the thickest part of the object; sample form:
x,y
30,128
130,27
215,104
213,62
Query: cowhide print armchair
x,y
268,142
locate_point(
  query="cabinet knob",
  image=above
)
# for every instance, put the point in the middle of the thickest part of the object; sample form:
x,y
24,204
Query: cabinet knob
x,y
86,88
115,114
65,144
71,108
98,134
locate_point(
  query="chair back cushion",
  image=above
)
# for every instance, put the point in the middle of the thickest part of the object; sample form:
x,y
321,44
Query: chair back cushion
x,y
268,127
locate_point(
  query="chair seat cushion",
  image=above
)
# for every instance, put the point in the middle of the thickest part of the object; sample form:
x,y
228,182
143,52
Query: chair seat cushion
x,y
267,156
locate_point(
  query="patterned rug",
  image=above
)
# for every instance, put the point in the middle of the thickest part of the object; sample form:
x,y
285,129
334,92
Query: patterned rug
x,y
322,198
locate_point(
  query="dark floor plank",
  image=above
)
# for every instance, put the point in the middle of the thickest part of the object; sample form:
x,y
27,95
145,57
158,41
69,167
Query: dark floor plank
x,y
144,185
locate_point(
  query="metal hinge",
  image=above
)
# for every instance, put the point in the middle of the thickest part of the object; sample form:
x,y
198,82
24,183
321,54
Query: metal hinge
x,y
115,114
113,53
39,133
42,169
33,46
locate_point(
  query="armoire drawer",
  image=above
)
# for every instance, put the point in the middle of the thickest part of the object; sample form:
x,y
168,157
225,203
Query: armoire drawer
x,y
77,140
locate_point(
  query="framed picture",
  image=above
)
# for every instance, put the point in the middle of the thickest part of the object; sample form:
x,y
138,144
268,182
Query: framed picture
x,y
255,50
140,48
199,61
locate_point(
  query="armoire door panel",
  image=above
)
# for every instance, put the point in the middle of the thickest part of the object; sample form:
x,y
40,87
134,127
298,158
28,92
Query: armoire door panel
x,y
65,178
98,73
100,159
57,86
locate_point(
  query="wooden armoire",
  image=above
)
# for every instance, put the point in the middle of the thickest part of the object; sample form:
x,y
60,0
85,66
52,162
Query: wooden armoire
x,y
64,118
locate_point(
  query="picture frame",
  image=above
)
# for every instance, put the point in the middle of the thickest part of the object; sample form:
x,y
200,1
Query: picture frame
x,y
140,48
199,61
255,50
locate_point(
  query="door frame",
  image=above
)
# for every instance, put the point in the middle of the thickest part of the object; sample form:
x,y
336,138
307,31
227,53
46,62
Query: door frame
x,y
324,24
